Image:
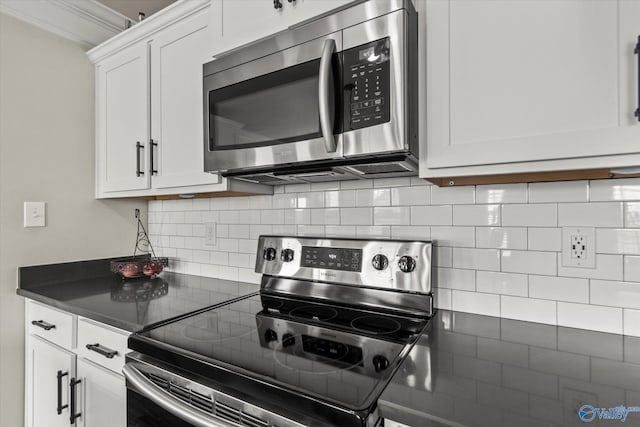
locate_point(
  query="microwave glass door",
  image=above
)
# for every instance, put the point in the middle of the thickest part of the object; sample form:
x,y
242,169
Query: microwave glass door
x,y
283,107
271,109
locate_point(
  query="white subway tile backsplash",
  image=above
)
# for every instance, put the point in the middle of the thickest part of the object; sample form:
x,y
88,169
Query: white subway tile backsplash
x,y
411,196
431,215
544,239
566,191
608,267
541,215
502,283
476,215
596,318
340,199
452,278
501,193
325,216
311,200
285,201
409,232
395,215
632,268
632,322
356,216
590,214
442,256
528,309
529,262
373,197
618,241
477,259
501,237
495,246
464,237
606,190
340,230
559,288
453,195
373,232
297,216
442,298
615,294
475,302
632,215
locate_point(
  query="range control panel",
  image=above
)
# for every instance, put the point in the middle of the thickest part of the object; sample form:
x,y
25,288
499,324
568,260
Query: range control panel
x,y
397,264
366,84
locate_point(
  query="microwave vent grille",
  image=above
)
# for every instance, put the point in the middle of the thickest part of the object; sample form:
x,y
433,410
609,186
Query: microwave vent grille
x,y
380,168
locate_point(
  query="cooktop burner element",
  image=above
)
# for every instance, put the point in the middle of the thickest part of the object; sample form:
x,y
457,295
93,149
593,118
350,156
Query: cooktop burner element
x,y
330,345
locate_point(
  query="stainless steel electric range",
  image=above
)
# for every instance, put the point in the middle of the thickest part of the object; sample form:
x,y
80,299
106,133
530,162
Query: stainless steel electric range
x,y
332,322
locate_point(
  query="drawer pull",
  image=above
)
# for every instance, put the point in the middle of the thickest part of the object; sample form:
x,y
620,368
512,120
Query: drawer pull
x,y
106,352
60,407
42,324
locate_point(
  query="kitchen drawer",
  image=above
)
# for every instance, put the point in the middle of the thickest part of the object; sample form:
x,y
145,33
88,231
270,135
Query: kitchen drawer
x,y
53,325
108,341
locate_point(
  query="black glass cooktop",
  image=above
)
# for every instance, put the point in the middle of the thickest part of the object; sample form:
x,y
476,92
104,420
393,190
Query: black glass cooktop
x,y
335,353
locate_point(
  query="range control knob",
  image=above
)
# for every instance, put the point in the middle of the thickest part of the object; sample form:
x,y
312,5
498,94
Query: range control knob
x,y
270,335
380,363
288,340
286,255
269,254
379,262
407,264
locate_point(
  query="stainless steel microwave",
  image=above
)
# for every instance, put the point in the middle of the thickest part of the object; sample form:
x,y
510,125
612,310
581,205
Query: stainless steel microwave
x,y
331,99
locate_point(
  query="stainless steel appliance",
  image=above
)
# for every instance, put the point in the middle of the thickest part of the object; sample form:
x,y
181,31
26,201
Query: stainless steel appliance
x,y
333,321
333,99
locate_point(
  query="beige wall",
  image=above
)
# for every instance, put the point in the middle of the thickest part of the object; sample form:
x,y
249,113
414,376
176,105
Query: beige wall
x,y
46,154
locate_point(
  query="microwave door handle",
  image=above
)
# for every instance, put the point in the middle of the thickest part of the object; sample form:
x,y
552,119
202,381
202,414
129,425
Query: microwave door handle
x,y
324,84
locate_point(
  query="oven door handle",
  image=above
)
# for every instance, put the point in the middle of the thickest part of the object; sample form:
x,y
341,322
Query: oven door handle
x,y
169,403
324,93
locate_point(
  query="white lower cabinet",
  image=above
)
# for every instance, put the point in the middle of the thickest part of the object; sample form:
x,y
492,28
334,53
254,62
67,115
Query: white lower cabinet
x,y
101,396
73,370
49,369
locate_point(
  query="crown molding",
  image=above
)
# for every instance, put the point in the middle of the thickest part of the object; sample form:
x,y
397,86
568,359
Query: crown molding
x,y
84,21
168,16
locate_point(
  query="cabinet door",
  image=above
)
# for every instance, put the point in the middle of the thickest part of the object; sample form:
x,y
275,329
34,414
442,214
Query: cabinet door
x,y
177,55
529,80
122,120
102,396
44,361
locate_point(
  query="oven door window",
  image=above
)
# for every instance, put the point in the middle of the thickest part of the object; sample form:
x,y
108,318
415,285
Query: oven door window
x,y
275,108
142,412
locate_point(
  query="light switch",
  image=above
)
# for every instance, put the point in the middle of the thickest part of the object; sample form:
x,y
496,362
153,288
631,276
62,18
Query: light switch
x,y
34,214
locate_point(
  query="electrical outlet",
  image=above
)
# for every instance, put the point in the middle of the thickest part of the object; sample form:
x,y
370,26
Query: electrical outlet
x,y
210,234
34,214
579,247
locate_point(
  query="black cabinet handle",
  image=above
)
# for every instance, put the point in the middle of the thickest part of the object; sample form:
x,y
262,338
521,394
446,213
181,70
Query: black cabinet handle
x,y
60,375
42,324
106,352
277,4
138,148
72,418
153,163
637,52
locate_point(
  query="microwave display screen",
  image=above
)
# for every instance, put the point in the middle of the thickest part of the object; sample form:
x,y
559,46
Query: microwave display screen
x,y
367,86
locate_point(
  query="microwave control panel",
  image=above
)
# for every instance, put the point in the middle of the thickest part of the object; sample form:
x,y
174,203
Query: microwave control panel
x,y
366,85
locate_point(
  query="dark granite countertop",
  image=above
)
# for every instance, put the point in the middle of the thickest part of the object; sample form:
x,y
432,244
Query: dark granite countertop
x,y
476,370
89,289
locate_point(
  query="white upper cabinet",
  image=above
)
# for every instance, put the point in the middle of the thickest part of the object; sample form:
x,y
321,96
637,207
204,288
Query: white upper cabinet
x,y
149,116
177,56
528,85
122,117
246,21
